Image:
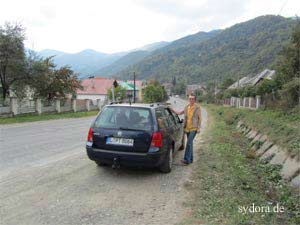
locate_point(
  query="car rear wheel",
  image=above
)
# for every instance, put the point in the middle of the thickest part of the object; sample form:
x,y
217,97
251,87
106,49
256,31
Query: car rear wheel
x,y
166,167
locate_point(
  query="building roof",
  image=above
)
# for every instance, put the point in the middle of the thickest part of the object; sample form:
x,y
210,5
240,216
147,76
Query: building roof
x,y
100,85
138,83
240,83
96,86
128,86
252,81
266,74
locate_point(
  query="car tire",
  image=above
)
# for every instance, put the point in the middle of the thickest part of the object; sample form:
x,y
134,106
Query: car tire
x,y
166,166
182,143
100,164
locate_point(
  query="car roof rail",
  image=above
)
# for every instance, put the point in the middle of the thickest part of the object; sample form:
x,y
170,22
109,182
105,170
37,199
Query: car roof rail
x,y
159,104
114,103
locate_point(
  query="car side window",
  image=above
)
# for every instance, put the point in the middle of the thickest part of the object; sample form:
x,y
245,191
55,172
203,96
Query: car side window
x,y
170,118
177,119
161,119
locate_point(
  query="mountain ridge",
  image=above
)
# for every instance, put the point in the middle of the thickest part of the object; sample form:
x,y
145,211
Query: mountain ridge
x,y
88,61
242,49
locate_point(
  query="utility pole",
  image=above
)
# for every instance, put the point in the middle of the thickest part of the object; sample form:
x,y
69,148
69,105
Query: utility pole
x,y
113,91
133,87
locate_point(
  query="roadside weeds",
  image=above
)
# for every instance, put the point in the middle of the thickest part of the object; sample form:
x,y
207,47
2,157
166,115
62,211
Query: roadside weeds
x,y
226,183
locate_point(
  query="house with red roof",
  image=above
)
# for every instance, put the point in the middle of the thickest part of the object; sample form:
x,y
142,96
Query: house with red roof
x,y
97,88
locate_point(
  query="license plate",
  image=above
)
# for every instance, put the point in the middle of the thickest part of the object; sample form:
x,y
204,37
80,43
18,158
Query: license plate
x,y
119,141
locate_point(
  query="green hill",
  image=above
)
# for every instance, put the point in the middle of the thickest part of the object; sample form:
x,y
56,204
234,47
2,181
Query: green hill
x,y
243,49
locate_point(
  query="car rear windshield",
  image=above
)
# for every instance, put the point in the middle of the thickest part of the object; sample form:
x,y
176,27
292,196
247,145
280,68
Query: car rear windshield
x,y
131,118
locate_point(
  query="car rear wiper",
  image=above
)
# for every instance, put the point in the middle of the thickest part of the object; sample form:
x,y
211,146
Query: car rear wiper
x,y
127,128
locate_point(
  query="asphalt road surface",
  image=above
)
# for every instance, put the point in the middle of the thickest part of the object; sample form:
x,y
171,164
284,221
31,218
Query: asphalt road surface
x,y
46,178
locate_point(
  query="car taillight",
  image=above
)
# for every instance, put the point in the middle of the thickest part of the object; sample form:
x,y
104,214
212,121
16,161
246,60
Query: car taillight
x,y
90,135
156,140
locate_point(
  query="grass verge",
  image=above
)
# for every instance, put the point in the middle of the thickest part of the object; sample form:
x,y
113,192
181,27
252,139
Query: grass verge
x,y
282,129
227,184
33,118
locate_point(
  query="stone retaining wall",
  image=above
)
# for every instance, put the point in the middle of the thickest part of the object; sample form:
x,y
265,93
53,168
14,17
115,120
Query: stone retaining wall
x,y
268,152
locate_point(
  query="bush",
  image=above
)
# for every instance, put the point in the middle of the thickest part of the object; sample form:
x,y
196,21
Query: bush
x,y
290,93
154,92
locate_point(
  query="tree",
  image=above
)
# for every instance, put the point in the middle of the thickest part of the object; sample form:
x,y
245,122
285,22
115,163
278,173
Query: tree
x,y
289,65
266,87
180,87
226,83
154,92
12,56
290,93
287,79
119,91
48,82
174,81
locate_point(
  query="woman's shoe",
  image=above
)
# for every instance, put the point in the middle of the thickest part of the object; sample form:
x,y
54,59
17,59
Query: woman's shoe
x,y
184,162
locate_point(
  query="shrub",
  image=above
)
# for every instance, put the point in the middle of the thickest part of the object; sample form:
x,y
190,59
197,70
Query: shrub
x,y
290,93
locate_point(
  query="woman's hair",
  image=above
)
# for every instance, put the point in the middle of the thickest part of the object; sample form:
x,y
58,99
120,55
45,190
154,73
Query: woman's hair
x,y
193,95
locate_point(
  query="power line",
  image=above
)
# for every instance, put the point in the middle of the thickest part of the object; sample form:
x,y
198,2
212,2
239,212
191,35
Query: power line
x,y
282,6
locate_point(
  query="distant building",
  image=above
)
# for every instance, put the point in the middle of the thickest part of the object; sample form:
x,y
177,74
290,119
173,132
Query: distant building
x,y
139,85
168,88
253,81
192,88
97,88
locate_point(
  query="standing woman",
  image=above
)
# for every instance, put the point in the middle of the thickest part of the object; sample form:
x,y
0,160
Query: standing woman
x,y
192,123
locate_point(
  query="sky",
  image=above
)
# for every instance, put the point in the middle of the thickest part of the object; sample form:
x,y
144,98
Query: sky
x,y
120,25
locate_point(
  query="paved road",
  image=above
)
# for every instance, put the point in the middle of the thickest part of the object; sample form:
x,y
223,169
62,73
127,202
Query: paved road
x,y
46,178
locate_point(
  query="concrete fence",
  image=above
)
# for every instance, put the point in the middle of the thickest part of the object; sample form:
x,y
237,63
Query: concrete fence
x,y
248,102
17,107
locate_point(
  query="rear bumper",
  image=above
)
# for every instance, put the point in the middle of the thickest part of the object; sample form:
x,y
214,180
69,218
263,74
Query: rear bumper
x,y
126,158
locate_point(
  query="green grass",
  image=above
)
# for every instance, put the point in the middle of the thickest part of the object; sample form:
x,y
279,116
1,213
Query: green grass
x,y
282,129
32,118
226,180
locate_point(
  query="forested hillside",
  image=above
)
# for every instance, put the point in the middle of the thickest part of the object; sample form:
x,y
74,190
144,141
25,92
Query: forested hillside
x,y
242,49
129,59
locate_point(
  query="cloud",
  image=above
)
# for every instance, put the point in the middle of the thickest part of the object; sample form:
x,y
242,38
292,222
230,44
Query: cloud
x,y
195,10
114,25
195,15
48,11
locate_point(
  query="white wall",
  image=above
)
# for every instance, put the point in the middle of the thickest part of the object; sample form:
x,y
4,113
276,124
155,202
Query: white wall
x,y
92,97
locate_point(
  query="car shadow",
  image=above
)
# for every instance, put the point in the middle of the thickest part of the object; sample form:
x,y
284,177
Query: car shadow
x,y
134,171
